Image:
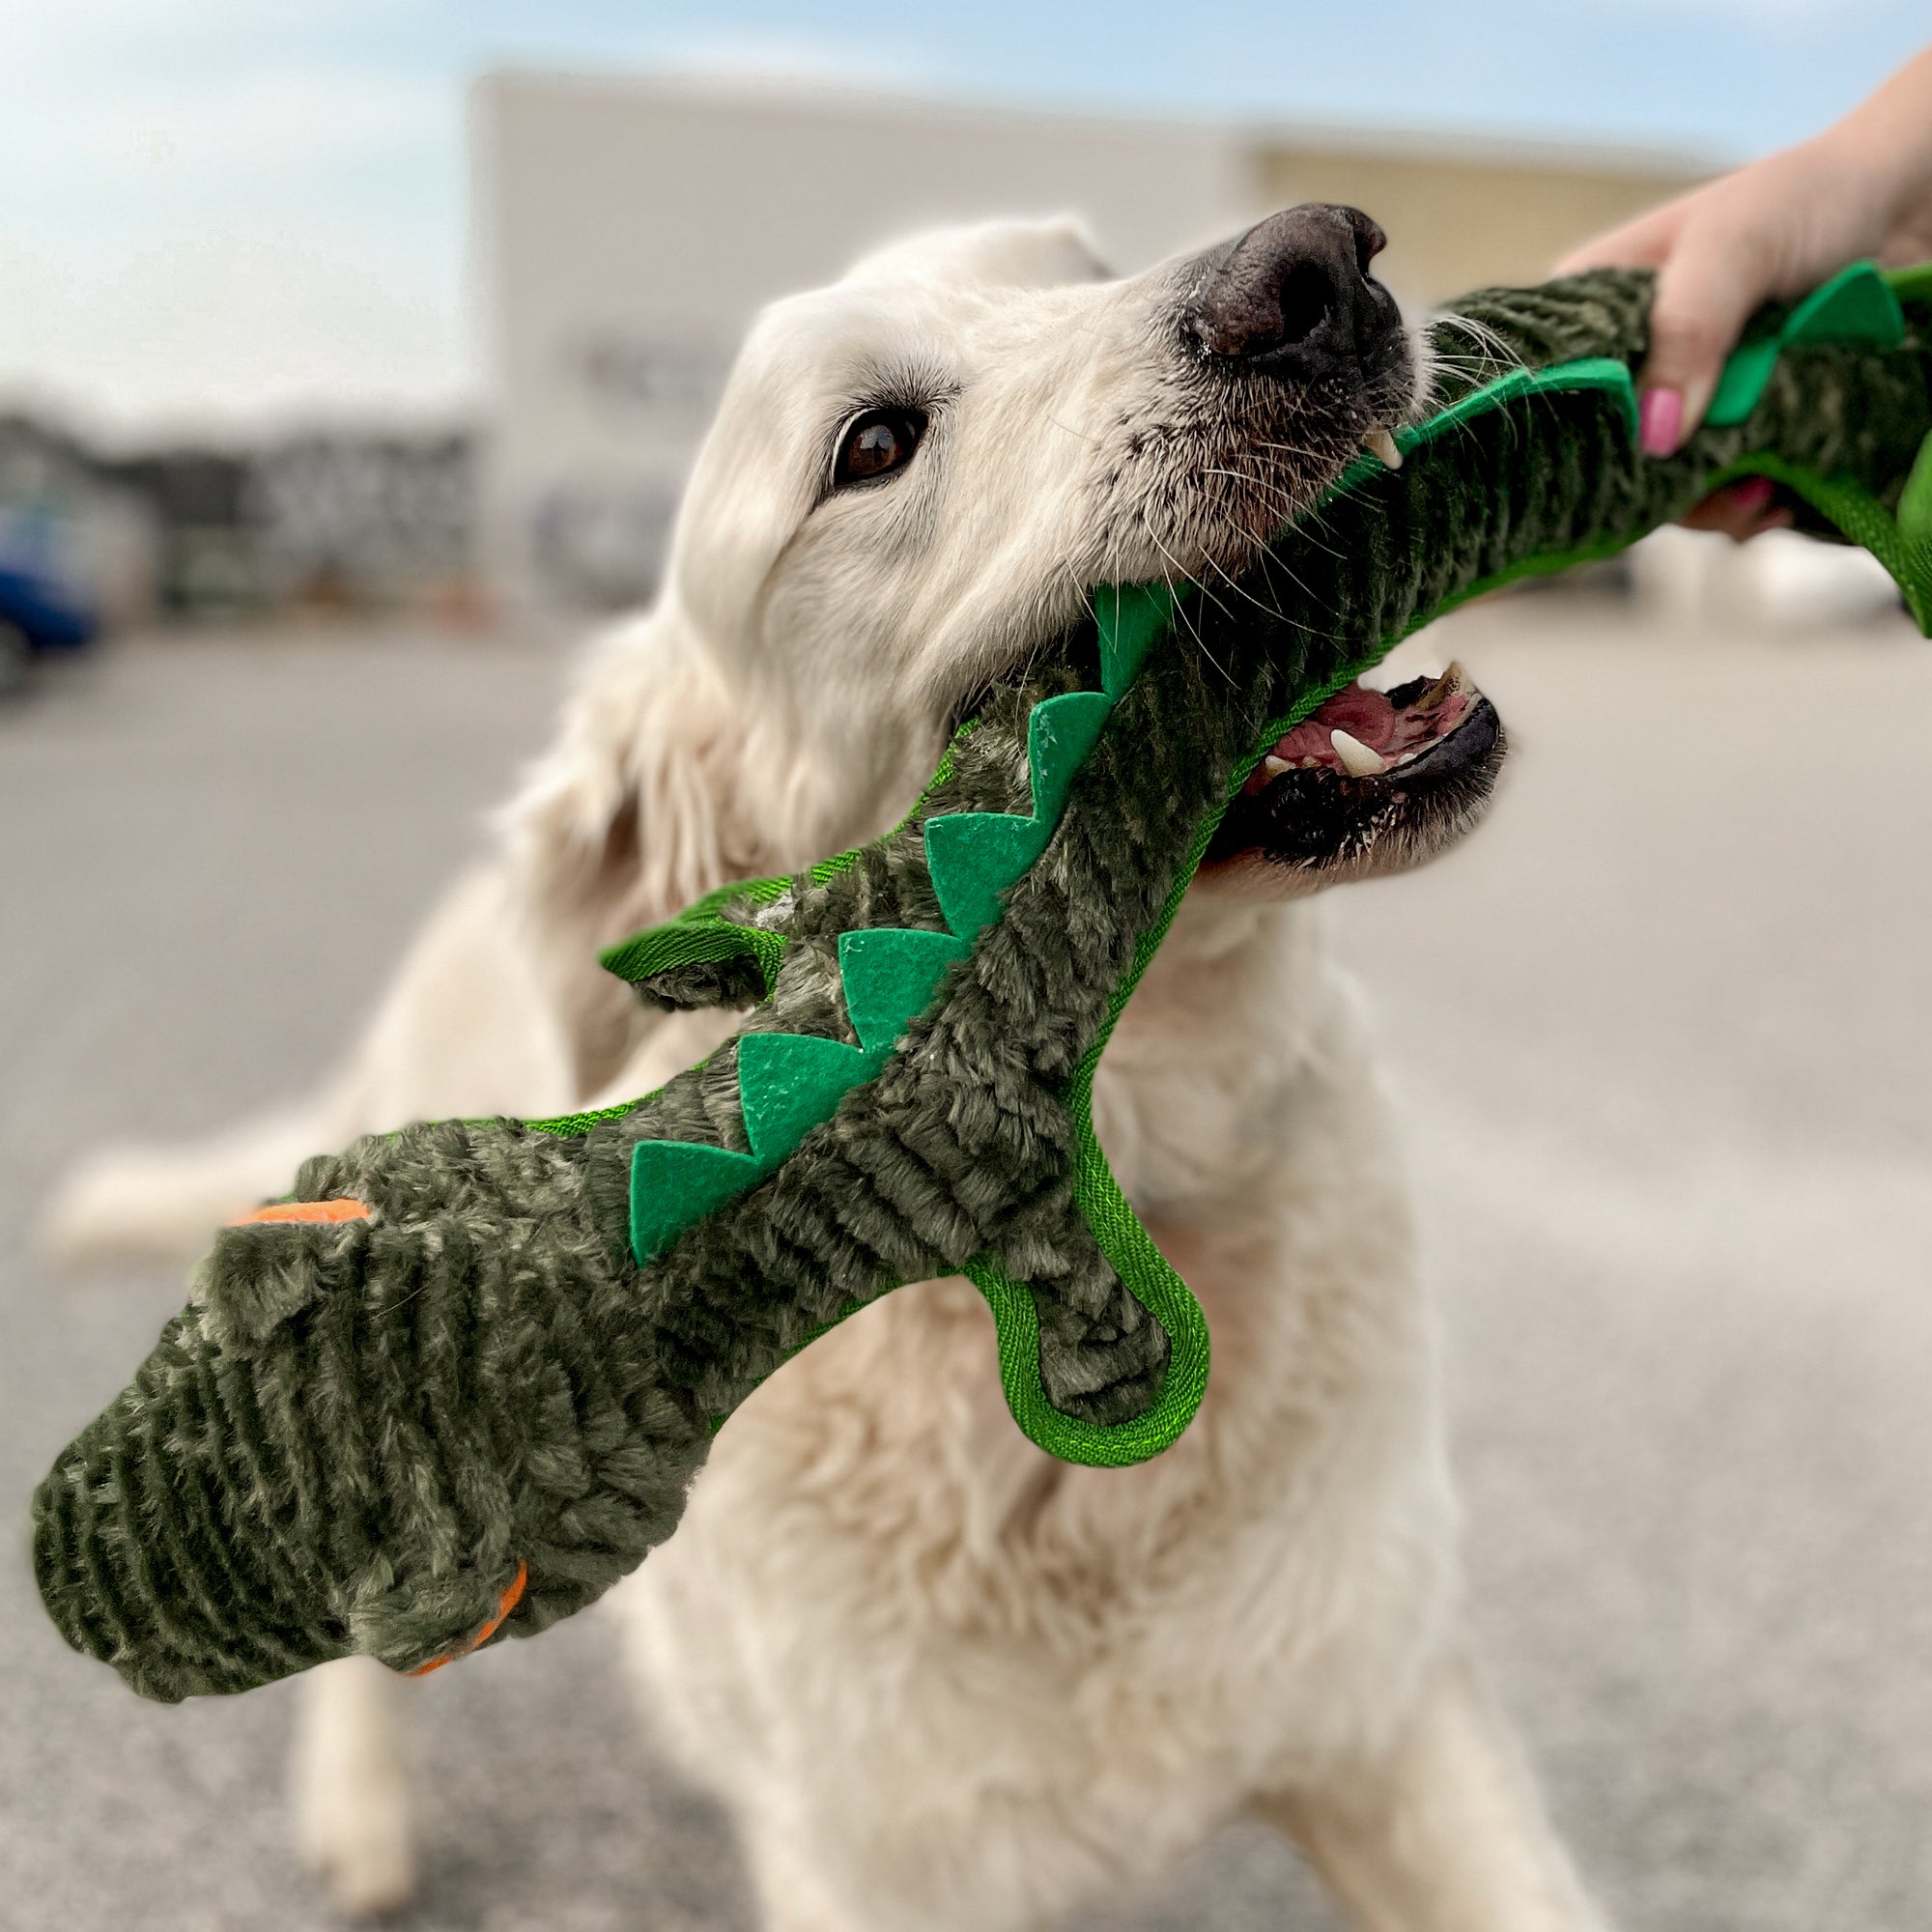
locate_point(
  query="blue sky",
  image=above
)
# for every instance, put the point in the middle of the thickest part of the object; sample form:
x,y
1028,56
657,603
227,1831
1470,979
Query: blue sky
x,y
213,208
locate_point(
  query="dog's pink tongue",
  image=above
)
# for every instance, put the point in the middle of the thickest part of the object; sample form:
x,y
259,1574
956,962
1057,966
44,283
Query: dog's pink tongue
x,y
1367,716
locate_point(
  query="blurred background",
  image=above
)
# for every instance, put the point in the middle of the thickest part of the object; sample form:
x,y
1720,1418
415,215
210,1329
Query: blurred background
x,y
351,359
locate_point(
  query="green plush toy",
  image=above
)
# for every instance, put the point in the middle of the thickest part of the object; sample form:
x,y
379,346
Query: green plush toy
x,y
460,1384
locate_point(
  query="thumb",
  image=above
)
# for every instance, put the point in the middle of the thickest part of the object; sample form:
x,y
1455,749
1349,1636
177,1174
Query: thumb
x,y
1705,291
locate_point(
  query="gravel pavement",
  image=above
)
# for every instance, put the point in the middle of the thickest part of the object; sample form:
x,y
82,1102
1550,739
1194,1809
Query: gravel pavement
x,y
1660,1036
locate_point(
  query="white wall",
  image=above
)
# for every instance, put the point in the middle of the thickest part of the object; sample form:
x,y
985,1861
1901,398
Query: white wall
x,y
627,231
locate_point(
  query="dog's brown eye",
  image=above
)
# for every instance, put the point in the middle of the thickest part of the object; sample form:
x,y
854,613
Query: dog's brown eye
x,y
876,443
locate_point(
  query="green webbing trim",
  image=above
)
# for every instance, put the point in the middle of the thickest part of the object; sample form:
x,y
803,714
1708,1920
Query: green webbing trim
x,y
566,1125
702,936
1861,517
1165,1296
1913,284
1858,305
1590,372
1914,506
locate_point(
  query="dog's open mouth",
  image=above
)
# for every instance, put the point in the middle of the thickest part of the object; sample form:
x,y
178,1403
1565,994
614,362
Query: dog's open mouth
x,y
1368,781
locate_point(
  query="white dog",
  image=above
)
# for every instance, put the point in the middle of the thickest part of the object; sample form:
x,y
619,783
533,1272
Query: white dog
x,y
943,1681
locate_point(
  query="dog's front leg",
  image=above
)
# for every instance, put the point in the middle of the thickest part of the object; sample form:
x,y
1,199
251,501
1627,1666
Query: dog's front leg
x,y
1445,1833
349,1786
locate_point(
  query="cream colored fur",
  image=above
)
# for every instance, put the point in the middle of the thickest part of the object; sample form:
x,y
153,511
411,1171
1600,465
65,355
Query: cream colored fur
x,y
942,1680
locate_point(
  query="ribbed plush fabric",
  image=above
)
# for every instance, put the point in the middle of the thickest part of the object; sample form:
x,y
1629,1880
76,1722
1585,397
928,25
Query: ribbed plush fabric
x,y
357,1435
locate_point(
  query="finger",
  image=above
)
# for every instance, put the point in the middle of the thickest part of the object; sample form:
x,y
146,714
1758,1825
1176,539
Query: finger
x,y
1710,284
1740,511
1744,528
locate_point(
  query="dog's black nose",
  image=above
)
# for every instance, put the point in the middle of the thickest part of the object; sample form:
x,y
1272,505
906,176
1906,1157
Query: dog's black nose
x,y
1293,296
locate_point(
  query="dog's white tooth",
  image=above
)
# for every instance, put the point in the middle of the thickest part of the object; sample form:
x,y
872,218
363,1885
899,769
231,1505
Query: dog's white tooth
x,y
1382,444
1274,767
1357,760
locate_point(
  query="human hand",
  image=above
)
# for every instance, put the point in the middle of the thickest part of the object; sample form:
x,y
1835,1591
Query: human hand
x,y
1775,228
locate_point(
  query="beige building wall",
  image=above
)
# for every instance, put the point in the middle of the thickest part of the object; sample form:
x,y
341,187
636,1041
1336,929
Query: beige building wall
x,y
1461,217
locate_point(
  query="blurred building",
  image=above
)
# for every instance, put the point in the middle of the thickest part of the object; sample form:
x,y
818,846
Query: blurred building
x,y
627,230
333,522
363,521
203,557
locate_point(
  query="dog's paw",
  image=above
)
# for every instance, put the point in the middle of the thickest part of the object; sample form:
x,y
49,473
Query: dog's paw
x,y
133,1204
355,1808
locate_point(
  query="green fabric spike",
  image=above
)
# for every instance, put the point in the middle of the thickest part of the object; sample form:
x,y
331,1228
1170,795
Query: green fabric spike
x,y
891,978
789,1082
675,1182
1129,618
974,857
1060,734
1742,382
1856,307
1601,373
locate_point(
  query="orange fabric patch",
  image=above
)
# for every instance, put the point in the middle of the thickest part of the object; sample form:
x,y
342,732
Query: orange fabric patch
x,y
513,1595
344,1210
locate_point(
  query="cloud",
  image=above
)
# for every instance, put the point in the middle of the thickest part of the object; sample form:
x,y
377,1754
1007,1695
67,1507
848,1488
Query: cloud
x,y
243,128
201,227
221,331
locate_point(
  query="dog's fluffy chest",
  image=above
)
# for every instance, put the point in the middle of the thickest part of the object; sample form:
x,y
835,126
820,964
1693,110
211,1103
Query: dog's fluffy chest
x,y
878,1569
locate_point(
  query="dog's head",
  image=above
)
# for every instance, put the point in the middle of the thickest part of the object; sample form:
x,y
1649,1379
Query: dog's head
x,y
917,474
922,471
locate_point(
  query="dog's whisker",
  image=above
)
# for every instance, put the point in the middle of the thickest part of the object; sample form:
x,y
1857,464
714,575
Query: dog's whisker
x,y
1181,617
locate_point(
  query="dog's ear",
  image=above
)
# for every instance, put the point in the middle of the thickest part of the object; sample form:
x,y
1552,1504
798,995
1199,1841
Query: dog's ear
x,y
626,818
1041,254
1014,254
634,812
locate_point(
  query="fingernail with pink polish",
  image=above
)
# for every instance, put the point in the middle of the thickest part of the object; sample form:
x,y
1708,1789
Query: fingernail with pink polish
x,y
1659,420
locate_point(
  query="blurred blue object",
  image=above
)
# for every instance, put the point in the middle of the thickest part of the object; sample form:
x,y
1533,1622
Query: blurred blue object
x,y
44,610
45,606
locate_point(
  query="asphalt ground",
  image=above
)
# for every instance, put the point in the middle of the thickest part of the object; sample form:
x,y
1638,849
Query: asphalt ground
x,y
1660,1036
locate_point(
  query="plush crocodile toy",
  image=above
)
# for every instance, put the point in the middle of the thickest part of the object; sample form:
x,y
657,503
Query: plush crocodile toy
x,y
460,1383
